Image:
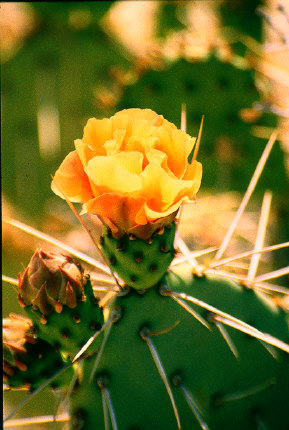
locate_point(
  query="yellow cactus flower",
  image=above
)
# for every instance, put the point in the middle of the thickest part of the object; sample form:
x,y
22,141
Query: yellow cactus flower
x,y
131,170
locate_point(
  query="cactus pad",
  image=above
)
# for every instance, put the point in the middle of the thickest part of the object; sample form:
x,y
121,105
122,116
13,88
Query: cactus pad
x,y
228,392
140,263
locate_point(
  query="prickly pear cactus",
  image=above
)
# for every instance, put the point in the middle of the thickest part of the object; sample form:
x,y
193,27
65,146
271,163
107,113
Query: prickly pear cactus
x,y
173,345
209,387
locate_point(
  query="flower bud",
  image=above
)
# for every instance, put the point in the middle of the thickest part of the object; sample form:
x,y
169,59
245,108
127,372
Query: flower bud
x,y
17,333
28,361
51,281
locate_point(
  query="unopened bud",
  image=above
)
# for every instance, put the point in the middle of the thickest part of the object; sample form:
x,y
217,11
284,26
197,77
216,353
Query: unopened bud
x,y
51,281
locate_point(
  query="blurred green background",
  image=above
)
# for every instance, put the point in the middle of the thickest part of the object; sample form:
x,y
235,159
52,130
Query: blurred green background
x,y
65,62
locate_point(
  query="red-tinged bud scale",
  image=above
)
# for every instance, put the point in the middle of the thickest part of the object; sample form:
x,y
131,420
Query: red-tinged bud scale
x,y
51,281
17,331
27,361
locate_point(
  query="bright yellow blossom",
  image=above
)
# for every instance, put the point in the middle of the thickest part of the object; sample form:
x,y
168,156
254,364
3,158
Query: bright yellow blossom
x,y
131,170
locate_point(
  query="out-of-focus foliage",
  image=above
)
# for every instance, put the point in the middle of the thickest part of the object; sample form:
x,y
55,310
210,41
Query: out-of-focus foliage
x,y
169,17
72,11
241,15
48,92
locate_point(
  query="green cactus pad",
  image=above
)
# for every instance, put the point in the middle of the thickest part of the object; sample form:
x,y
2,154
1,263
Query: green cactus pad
x,y
231,393
37,364
140,263
70,329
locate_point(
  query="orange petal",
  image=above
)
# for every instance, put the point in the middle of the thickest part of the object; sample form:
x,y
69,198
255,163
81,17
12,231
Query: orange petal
x,y
84,152
138,114
117,211
139,127
153,215
141,137
161,190
160,157
194,173
96,133
177,145
140,143
72,180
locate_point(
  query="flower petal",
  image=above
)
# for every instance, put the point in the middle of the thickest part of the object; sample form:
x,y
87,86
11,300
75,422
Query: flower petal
x,y
139,128
112,174
130,161
154,216
135,114
118,212
113,145
177,145
194,173
159,157
71,180
161,190
96,133
84,152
